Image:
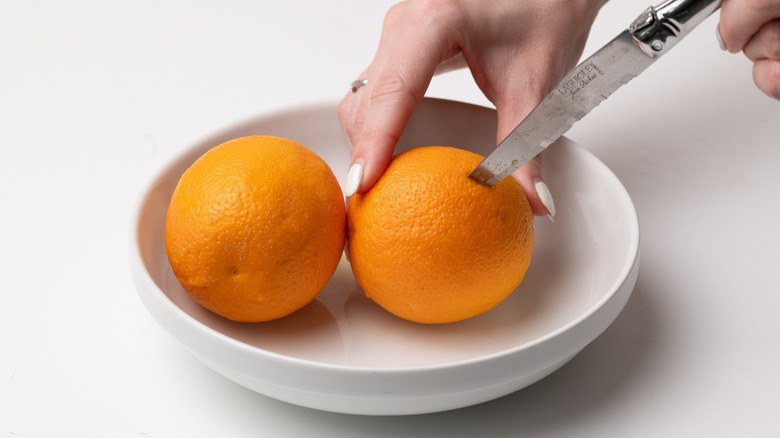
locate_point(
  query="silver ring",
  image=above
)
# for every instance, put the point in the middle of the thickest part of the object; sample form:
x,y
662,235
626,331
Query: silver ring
x,y
357,84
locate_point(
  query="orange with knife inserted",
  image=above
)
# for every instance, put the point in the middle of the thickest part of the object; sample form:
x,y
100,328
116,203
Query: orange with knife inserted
x,y
430,245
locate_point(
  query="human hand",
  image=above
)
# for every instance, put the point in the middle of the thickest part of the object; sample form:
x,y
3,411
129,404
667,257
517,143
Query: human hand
x,y
516,50
753,27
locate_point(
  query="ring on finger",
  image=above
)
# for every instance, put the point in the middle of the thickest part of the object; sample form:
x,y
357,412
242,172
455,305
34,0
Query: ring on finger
x,y
357,84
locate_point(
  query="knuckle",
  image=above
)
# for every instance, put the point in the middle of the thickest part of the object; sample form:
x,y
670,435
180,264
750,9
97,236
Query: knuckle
x,y
771,39
761,6
388,87
395,13
436,17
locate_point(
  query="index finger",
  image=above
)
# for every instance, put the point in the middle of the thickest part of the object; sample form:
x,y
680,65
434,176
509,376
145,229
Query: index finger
x,y
404,69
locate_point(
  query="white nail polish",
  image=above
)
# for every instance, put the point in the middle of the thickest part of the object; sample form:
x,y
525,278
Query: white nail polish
x,y
545,196
354,178
719,37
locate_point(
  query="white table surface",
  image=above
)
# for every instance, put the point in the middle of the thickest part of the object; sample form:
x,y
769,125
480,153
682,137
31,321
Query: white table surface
x,y
95,97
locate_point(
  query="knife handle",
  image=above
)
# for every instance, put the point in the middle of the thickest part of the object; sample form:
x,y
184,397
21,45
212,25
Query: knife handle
x,y
660,27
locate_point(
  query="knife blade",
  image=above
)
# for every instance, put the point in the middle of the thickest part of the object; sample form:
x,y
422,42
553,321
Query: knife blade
x,y
650,35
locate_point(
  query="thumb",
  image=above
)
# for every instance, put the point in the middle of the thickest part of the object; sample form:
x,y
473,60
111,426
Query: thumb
x,y
529,176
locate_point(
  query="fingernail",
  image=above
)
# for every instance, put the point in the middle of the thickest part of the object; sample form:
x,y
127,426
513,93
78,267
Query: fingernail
x,y
720,38
545,196
354,178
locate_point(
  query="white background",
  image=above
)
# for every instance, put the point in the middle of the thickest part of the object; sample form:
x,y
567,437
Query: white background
x,y
95,97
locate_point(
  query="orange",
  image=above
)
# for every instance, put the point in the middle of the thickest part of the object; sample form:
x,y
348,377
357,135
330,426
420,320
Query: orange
x,y
255,228
430,245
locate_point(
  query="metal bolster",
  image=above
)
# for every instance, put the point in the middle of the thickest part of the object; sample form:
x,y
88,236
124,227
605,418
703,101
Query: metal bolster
x,y
660,27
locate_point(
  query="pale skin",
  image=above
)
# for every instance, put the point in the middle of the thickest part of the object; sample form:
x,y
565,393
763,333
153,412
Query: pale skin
x,y
516,52
753,28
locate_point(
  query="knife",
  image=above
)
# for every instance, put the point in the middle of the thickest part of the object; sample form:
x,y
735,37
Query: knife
x,y
652,34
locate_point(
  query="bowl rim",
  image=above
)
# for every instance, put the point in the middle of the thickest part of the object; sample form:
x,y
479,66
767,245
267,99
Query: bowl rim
x,y
147,287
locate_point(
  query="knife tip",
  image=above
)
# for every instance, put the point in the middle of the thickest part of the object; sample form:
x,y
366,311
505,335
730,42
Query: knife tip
x,y
479,177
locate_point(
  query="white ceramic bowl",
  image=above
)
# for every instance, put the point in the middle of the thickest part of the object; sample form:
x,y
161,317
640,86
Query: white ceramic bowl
x,y
343,353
